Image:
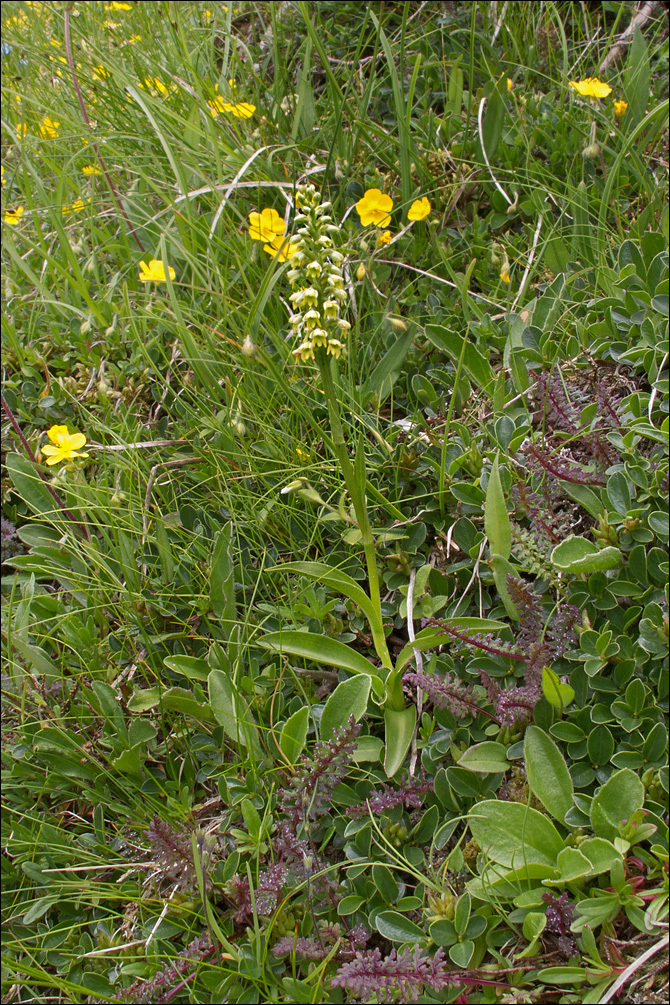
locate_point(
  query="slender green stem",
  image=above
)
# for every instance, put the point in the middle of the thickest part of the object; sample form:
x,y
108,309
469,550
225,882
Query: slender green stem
x,y
442,490
357,493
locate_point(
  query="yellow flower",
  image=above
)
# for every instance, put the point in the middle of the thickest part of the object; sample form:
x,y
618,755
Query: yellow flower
x,y
76,207
240,110
281,248
156,86
111,24
90,169
99,73
154,272
12,216
375,207
21,129
66,446
620,108
48,128
2,169
301,454
265,226
510,84
504,272
134,38
591,87
383,239
118,6
207,14
55,42
419,209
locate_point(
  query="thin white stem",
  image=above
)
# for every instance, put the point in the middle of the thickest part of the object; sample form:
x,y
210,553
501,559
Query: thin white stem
x,y
499,22
635,965
419,665
536,238
652,396
480,126
437,279
165,910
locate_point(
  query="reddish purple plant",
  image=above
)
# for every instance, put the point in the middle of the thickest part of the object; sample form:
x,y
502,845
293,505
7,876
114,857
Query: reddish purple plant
x,y
381,800
173,852
158,988
306,798
560,915
406,973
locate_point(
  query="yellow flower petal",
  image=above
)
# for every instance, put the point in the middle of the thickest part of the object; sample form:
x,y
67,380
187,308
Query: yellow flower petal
x,y
12,216
419,209
591,87
375,207
266,225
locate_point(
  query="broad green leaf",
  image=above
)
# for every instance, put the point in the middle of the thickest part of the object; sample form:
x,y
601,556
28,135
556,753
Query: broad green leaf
x,y
339,580
386,883
570,865
561,975
498,884
294,734
231,711
578,554
547,772
558,695
143,700
494,116
349,905
178,699
487,757
350,697
475,364
29,486
221,585
368,748
601,854
502,568
318,648
617,800
586,497
496,519
534,924
384,375
513,834
399,729
461,953
189,666
397,928
636,81
37,658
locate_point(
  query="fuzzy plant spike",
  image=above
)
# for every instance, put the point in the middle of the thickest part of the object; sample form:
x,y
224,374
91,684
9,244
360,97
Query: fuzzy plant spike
x,y
406,973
